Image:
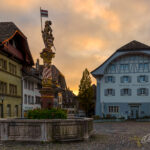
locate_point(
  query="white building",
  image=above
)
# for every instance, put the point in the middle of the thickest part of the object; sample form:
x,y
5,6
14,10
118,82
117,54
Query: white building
x,y
31,95
123,83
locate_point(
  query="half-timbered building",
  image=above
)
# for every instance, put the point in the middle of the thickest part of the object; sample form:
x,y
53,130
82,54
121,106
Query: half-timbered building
x,y
123,83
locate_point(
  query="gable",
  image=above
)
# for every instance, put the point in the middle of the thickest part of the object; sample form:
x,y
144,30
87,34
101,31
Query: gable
x,y
120,52
9,33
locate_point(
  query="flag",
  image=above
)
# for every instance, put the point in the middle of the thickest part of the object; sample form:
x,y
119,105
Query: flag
x,y
44,13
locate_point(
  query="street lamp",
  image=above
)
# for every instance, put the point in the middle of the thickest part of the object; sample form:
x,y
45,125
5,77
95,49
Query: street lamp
x,y
2,100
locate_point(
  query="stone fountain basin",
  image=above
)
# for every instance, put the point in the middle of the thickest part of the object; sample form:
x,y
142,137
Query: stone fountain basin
x,y
45,130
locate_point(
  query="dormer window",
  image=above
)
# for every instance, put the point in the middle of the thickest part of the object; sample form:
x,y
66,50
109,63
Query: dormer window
x,y
12,42
143,66
112,67
124,66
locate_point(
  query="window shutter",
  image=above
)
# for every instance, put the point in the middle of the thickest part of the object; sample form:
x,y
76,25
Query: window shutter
x,y
147,90
113,92
106,92
113,79
121,79
121,92
129,79
138,92
130,92
106,79
138,79
146,78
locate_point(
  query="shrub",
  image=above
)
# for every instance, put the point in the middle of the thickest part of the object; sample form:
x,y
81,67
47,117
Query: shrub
x,y
96,117
122,118
146,117
109,116
47,114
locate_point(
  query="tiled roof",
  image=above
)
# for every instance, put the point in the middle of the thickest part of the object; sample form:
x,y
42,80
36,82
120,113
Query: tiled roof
x,y
134,45
7,29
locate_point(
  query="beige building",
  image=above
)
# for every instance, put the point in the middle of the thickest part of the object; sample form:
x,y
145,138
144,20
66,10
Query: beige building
x,y
14,56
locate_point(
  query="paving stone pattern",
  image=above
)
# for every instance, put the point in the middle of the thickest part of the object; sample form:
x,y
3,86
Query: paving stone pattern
x,y
107,136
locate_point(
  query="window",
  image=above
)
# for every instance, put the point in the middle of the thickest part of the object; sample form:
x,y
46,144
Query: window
x,y
124,67
125,79
3,64
9,110
109,92
142,92
25,99
143,66
16,110
25,84
112,68
113,109
3,87
12,42
125,92
32,86
29,100
32,100
28,85
38,100
12,68
109,79
142,78
12,89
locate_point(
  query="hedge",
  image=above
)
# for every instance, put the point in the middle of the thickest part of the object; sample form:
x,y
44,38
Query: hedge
x,y
47,114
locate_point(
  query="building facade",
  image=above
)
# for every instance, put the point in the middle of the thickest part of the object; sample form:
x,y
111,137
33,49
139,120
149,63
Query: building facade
x,y
32,83
123,83
14,55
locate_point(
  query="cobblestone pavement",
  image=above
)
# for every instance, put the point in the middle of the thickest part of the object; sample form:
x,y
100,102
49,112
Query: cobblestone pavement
x,y
107,136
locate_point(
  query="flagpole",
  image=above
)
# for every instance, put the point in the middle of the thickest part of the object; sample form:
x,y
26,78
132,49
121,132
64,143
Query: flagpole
x,y
41,19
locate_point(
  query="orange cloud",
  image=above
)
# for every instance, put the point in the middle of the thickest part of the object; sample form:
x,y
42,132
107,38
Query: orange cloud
x,y
23,5
87,43
92,9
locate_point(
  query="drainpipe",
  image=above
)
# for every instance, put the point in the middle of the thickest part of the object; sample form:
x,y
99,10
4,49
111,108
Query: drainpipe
x,y
22,97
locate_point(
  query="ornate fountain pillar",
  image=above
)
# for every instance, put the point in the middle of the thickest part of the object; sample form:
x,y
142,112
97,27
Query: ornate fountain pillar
x,y
47,91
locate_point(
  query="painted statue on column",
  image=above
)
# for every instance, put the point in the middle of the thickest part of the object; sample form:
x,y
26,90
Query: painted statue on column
x,y
47,93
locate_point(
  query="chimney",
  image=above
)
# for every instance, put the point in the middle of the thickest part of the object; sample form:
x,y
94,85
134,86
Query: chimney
x,y
37,64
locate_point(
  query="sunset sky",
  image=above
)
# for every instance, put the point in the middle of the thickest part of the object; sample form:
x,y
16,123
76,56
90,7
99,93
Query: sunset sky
x,y
86,32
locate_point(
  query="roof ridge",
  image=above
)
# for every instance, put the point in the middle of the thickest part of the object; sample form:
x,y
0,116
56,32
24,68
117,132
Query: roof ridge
x,y
8,29
134,45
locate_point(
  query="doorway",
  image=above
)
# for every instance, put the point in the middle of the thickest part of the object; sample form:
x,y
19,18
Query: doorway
x,y
134,112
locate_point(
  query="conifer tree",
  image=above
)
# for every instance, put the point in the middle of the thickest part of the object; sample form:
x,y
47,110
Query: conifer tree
x,y
86,94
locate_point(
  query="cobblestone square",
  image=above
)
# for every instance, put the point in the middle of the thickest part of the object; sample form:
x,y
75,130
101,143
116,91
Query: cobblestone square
x,y
107,136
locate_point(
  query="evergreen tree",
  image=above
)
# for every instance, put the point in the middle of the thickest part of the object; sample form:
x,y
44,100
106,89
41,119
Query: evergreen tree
x,y
86,93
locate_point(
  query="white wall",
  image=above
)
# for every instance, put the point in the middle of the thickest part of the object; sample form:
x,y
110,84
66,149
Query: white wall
x,y
29,92
134,85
